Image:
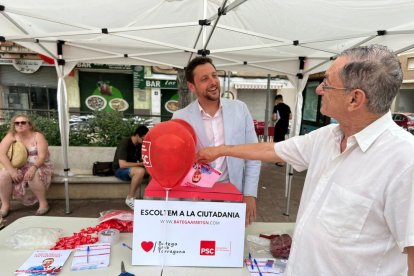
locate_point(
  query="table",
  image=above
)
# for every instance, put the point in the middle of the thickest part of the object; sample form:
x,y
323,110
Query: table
x,y
12,259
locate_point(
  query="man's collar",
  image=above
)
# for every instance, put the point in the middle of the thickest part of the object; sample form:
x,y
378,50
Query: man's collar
x,y
202,110
366,137
369,134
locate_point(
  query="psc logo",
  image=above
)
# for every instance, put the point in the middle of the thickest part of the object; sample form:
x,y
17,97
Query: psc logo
x,y
146,153
207,248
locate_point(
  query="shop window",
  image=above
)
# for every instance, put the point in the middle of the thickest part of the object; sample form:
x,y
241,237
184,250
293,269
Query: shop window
x,y
38,99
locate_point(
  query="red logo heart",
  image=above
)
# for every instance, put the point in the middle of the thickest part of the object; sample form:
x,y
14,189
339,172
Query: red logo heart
x,y
147,246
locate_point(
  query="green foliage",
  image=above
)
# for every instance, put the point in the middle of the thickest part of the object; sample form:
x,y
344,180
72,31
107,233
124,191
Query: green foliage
x,y
3,130
108,128
49,127
105,129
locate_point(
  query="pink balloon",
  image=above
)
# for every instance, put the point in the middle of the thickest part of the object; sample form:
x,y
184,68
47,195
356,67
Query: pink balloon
x,y
168,152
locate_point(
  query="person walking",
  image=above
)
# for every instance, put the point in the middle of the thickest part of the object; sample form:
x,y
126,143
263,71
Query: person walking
x,y
219,121
281,116
356,210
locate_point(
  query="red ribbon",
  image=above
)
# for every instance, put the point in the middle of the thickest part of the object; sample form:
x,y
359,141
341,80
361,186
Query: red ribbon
x,y
90,235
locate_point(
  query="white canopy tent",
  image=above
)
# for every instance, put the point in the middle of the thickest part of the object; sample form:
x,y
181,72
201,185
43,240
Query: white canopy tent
x,y
293,38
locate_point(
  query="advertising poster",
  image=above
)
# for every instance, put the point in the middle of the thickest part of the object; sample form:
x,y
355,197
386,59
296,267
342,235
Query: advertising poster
x,y
169,103
188,233
106,91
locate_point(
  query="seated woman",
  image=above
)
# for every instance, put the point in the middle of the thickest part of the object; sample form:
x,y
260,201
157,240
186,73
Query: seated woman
x,y
36,174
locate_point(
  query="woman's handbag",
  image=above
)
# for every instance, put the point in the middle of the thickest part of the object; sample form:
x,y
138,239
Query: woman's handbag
x,y
102,168
17,154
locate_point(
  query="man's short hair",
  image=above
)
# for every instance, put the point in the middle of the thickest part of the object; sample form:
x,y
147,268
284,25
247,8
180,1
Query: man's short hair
x,y
376,70
279,97
189,69
141,131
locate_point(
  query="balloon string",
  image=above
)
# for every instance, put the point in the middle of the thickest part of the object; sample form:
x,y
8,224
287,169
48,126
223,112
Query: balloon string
x,y
165,227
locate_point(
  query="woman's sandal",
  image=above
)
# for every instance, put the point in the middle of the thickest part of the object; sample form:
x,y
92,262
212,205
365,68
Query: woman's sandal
x,y
42,211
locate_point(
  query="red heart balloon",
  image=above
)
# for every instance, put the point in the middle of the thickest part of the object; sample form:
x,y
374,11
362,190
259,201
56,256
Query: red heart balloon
x,y
168,152
187,127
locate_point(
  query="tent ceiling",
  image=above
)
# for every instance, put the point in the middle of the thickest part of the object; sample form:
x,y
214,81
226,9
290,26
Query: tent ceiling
x,y
265,36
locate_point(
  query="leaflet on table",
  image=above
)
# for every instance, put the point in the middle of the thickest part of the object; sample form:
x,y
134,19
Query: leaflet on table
x,y
44,262
266,266
91,256
201,175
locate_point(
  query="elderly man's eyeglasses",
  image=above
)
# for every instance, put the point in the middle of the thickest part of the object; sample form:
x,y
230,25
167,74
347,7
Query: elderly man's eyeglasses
x,y
23,123
326,87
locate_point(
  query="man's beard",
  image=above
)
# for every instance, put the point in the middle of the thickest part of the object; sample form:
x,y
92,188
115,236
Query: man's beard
x,y
214,97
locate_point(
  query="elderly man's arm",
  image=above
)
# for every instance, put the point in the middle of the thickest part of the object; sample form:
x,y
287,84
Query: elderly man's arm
x,y
257,151
261,151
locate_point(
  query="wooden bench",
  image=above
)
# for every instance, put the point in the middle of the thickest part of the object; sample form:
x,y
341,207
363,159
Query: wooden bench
x,y
82,184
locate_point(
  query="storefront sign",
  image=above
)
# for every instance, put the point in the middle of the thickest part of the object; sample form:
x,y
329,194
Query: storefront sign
x,y
188,233
163,84
121,67
27,66
139,77
6,61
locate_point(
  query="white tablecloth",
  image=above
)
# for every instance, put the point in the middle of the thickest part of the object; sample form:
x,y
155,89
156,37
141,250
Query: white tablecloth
x,y
11,259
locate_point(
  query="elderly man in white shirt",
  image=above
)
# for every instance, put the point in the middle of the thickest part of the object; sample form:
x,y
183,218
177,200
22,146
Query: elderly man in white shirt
x,y
356,210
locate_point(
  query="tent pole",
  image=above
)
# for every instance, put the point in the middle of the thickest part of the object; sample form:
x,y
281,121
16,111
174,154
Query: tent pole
x,y
228,81
63,132
266,126
63,118
288,188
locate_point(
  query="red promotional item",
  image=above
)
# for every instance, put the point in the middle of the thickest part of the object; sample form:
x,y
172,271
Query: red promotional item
x,y
187,127
114,219
168,152
220,191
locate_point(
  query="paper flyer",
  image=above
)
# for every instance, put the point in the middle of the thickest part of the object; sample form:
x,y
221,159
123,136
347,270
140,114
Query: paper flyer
x,y
92,256
201,175
266,266
44,262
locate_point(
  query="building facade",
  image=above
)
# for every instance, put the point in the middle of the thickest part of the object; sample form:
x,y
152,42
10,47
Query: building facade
x,y
29,83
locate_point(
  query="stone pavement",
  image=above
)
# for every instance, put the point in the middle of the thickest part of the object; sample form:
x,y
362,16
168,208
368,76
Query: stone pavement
x,y
271,203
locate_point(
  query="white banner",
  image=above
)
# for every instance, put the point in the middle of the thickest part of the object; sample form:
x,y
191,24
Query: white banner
x,y
27,66
188,233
